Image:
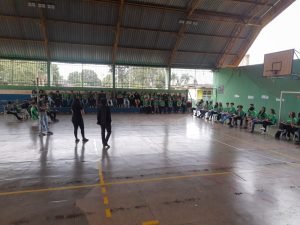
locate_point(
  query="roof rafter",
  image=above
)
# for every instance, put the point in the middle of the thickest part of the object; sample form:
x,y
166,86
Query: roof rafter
x,y
45,34
194,4
118,32
236,32
275,11
106,46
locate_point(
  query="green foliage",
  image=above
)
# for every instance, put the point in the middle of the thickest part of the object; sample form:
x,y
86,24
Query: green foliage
x,y
15,72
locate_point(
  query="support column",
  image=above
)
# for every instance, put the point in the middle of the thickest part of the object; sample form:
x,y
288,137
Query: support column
x,y
114,76
48,74
169,78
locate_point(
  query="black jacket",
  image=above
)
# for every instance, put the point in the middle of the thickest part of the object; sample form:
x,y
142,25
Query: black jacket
x,y
103,115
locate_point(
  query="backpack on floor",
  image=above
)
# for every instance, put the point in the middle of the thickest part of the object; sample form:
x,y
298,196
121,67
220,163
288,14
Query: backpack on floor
x,y
278,133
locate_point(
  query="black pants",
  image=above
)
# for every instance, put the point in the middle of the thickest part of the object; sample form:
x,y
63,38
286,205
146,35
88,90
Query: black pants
x,y
265,124
238,118
76,124
15,114
52,115
106,127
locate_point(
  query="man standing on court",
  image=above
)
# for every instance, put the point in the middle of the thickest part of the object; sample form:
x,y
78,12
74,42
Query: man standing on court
x,y
104,120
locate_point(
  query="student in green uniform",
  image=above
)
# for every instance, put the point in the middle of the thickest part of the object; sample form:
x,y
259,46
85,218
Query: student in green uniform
x,y
261,116
239,115
34,112
251,114
162,105
270,120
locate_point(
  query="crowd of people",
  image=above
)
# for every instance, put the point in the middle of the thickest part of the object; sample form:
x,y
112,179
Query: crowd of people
x,y
230,115
148,102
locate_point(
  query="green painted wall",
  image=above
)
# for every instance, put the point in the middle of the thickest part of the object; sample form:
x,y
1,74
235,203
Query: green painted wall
x,y
249,81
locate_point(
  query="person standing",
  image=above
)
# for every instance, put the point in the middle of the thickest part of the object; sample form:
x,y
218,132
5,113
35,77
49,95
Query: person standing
x,y
104,120
77,120
43,118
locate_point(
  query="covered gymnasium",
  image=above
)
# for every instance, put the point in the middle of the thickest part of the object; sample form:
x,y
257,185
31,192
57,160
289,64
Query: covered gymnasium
x,y
165,168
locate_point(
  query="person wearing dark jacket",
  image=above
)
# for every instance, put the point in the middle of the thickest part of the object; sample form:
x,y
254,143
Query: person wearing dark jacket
x,y
77,120
104,120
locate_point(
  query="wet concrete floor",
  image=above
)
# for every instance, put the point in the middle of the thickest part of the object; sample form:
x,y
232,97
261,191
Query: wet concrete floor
x,y
160,169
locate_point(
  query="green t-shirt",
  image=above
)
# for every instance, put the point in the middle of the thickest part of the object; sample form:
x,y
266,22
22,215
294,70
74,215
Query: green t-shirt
x,y
179,103
210,107
262,116
241,113
162,103
252,114
155,102
34,113
272,118
293,121
146,103
232,110
220,109
226,109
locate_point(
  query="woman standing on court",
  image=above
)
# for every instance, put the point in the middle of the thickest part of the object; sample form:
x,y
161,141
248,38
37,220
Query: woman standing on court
x,y
104,120
77,120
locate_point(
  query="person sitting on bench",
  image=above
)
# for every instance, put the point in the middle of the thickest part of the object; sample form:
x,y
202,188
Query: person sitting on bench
x,y
12,109
286,128
270,120
261,116
239,115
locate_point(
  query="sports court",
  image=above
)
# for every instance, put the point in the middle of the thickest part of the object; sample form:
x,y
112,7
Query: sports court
x,y
172,159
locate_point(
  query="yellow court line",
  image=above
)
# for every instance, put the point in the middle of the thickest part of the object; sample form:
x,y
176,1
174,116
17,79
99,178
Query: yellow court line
x,y
105,200
103,189
114,183
153,222
166,178
108,213
49,189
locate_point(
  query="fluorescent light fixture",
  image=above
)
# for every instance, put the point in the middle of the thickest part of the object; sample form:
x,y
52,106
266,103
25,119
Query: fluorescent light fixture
x,y
31,4
181,21
188,22
50,6
42,5
195,23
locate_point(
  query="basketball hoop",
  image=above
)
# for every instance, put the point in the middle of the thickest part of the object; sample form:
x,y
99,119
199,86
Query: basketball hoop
x,y
275,72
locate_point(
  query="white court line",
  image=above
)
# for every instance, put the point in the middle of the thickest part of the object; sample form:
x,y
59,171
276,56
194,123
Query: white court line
x,y
245,150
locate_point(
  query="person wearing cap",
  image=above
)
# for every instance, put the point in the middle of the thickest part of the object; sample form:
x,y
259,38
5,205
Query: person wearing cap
x,y
104,120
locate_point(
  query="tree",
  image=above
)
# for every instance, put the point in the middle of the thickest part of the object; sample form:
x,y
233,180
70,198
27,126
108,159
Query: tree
x,y
90,78
174,79
185,79
74,78
85,78
57,79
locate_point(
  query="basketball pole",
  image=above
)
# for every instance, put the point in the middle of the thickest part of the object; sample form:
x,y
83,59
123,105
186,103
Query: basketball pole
x,y
280,104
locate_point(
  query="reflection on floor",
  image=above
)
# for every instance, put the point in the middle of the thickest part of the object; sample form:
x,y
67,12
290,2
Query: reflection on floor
x,y
160,169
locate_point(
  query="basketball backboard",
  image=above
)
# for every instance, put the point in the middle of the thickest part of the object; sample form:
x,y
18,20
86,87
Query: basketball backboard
x,y
278,63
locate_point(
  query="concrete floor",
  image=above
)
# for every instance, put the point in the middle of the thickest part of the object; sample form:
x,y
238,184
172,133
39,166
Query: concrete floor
x,y
160,169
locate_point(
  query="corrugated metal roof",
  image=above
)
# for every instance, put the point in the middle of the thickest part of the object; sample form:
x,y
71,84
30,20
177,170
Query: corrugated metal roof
x,y
80,33
142,57
151,32
84,11
80,53
22,49
21,29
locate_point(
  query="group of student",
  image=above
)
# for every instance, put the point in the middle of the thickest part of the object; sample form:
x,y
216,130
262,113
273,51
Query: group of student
x,y
147,102
248,119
